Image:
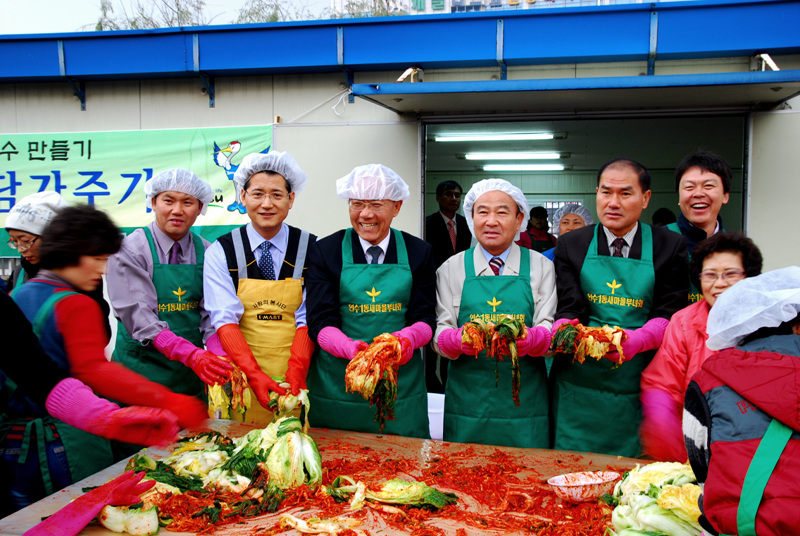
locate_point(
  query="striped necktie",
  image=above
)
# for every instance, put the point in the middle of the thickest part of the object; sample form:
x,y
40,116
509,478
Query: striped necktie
x,y
496,263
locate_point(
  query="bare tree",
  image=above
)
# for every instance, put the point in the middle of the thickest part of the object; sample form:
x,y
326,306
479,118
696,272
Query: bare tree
x,y
137,15
371,8
273,11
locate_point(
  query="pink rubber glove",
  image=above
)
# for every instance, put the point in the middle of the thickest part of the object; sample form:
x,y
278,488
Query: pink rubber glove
x,y
214,345
449,342
335,342
647,337
660,432
75,404
535,342
557,323
206,365
70,520
412,337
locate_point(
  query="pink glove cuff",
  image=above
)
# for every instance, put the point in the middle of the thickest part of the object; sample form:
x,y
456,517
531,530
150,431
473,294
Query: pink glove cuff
x,y
652,333
449,342
214,345
75,403
661,431
174,347
536,341
335,342
418,334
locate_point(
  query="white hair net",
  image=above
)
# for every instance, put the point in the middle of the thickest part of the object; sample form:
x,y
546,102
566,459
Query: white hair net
x,y
372,181
490,185
278,162
32,213
573,208
178,180
764,301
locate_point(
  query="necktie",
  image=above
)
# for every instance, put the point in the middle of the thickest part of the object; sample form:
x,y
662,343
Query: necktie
x,y
374,253
451,228
265,262
175,253
496,263
618,244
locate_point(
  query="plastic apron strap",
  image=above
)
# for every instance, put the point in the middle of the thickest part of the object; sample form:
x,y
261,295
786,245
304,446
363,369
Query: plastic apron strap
x,y
46,310
300,259
41,450
755,481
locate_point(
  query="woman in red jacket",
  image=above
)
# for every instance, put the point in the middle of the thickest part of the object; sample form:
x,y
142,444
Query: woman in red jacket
x,y
717,264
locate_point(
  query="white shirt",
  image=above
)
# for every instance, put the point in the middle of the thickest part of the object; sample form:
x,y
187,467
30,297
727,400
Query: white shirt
x,y
503,257
628,237
223,306
383,244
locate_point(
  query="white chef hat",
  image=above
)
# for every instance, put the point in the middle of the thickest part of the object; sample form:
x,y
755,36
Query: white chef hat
x,y
763,301
490,185
372,181
178,180
573,208
32,213
278,162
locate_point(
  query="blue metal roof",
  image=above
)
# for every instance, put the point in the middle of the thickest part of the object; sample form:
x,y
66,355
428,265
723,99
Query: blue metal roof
x,y
658,31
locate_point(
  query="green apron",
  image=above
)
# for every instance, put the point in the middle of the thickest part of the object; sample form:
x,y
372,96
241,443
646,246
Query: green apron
x,y
596,406
179,289
366,314
476,408
695,294
541,245
86,453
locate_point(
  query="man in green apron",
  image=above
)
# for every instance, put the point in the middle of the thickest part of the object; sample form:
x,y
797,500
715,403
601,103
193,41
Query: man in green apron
x,y
496,277
363,282
155,284
703,182
253,282
625,273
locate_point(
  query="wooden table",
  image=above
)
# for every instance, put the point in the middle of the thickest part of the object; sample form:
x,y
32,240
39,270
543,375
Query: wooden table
x,y
332,444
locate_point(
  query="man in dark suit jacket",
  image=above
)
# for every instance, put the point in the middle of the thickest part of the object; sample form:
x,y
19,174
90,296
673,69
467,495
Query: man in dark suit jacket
x,y
625,273
448,195
437,234
365,281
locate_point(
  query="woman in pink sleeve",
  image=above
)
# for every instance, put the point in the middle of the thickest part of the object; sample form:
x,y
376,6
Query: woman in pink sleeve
x,y
717,264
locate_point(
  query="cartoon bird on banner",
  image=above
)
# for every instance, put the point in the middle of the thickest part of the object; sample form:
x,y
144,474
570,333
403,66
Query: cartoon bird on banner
x,y
223,158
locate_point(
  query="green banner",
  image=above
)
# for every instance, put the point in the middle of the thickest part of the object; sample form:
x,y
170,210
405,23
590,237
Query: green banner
x,y
109,170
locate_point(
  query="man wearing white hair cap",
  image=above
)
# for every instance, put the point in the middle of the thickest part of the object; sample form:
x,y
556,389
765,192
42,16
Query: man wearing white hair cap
x,y
155,283
254,283
740,419
494,279
362,282
621,272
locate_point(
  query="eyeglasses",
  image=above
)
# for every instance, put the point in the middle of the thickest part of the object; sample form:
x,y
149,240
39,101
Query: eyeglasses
x,y
728,275
374,206
276,197
21,245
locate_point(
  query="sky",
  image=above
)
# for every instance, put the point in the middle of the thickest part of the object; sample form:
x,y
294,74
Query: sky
x,y
59,16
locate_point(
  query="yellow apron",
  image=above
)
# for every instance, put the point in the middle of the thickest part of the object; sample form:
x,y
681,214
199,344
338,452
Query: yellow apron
x,y
268,322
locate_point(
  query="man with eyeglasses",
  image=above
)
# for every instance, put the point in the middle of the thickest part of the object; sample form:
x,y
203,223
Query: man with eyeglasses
x,y
362,282
25,223
155,283
254,283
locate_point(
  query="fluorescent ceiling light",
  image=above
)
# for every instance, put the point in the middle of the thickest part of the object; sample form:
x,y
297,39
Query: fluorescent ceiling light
x,y
512,156
520,136
524,167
